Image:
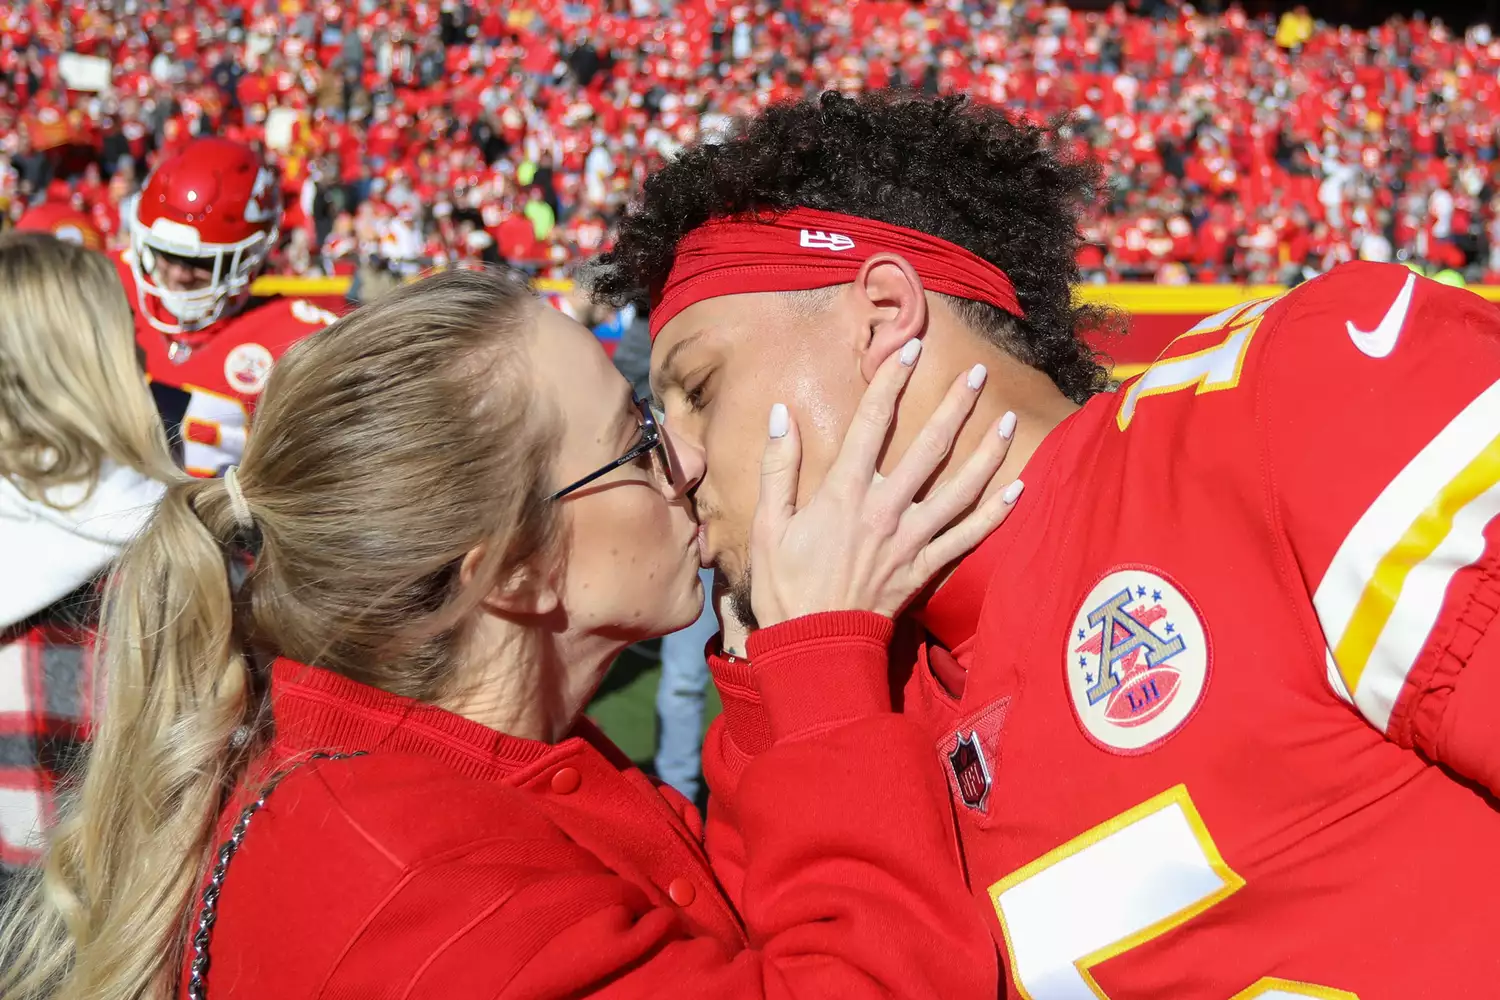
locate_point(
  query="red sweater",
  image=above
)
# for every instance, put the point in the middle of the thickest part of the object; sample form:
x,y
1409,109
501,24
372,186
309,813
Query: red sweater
x,y
454,861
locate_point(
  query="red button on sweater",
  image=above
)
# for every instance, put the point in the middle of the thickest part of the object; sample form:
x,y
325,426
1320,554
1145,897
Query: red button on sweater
x,y
454,861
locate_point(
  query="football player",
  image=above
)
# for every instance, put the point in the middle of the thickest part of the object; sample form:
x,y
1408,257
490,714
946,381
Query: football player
x,y
1218,706
200,232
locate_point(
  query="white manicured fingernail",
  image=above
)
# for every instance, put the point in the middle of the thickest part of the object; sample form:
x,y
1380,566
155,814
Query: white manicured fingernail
x,y
1008,425
976,377
909,352
1013,492
780,421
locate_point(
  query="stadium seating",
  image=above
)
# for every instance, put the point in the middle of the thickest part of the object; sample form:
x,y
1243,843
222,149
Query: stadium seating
x,y
1239,149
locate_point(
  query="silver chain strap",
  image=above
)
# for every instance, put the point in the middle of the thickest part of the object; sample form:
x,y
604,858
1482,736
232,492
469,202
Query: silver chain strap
x,y
208,914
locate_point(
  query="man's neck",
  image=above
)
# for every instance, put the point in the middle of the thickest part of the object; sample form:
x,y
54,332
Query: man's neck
x,y
1010,386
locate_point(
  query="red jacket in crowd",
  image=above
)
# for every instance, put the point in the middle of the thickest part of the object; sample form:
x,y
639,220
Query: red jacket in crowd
x,y
454,861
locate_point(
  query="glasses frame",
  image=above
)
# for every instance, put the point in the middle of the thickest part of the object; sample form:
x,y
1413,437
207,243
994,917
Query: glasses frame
x,y
651,440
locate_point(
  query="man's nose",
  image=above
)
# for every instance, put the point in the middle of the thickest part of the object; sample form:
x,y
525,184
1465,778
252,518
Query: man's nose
x,y
688,461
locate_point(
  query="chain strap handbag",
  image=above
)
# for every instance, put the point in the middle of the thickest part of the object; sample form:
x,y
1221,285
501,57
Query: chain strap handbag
x,y
208,912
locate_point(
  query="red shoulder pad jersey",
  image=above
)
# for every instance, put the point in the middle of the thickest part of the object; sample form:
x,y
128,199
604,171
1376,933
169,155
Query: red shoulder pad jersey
x,y
1228,681
207,390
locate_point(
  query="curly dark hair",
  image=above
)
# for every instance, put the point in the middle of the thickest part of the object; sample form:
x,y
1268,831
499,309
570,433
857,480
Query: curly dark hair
x,y
967,173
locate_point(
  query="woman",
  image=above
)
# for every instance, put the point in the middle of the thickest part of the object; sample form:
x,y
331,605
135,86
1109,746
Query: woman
x,y
81,451
367,772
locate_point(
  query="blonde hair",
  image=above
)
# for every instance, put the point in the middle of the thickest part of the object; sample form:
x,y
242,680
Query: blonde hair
x,y
71,392
386,447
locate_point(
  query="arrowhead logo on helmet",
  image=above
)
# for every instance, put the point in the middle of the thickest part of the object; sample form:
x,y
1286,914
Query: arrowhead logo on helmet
x,y
263,195
200,231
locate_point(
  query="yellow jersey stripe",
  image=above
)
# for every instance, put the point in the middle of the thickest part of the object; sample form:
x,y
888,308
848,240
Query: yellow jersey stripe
x,y
1426,533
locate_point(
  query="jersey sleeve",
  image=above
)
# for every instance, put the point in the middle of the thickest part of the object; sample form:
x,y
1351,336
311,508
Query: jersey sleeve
x,y
1379,411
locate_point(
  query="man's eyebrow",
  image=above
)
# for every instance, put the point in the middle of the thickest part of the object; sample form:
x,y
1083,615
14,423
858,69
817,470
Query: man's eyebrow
x,y
666,376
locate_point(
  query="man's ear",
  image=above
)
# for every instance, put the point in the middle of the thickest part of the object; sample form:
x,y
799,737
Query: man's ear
x,y
522,593
888,290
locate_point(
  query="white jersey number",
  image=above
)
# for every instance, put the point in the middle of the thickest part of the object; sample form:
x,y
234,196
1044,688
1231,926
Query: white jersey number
x,y
1213,369
1143,873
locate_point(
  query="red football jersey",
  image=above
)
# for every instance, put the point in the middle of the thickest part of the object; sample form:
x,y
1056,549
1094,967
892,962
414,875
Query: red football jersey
x,y
1217,704
206,383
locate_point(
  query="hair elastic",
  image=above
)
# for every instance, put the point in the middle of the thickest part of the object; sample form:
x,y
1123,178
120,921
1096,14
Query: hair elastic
x,y
237,502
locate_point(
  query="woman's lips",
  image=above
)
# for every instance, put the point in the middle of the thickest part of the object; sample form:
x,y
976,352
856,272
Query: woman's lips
x,y
704,559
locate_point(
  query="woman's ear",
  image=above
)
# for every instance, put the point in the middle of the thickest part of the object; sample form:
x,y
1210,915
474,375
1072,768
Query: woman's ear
x,y
889,291
522,593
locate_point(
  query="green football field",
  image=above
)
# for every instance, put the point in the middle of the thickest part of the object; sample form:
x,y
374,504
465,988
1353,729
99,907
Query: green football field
x,y
625,707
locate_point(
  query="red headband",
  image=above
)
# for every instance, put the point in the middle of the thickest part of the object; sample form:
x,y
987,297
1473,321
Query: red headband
x,y
807,248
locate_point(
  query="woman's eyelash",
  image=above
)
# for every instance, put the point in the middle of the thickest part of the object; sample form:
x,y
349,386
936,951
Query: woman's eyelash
x,y
694,397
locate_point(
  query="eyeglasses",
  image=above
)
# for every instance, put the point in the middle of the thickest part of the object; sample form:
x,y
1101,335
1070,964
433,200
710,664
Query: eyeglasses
x,y
651,440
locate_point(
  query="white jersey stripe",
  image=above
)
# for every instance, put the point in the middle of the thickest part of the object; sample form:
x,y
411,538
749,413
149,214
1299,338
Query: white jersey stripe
x,y
1416,612
1376,542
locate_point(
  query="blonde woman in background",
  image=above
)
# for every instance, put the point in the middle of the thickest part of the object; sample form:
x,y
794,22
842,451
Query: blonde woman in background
x,y
367,772
82,456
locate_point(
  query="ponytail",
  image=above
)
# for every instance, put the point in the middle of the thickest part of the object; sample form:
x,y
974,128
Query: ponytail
x,y
386,448
104,917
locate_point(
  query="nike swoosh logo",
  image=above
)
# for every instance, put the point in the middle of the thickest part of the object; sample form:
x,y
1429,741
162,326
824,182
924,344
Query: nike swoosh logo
x,y
1381,341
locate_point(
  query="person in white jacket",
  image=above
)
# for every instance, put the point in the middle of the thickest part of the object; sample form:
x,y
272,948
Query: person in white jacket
x,y
81,455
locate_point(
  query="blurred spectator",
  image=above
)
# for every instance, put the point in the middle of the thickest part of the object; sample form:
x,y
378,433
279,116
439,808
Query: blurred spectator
x,y
1294,28
540,214
543,117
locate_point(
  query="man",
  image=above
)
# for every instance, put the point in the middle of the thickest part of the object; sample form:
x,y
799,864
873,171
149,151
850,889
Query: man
x,y
200,232
1216,705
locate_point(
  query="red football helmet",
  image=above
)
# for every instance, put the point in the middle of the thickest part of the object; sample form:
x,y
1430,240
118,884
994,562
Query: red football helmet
x,y
216,207
63,222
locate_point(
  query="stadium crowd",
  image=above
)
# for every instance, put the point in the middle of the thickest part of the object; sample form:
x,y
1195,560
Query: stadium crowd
x,y
1239,148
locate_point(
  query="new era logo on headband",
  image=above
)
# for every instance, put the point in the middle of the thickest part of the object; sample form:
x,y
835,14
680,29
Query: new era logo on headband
x,y
816,239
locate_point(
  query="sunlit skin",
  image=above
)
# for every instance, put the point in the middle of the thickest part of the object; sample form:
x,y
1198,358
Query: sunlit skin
x,y
719,365
627,565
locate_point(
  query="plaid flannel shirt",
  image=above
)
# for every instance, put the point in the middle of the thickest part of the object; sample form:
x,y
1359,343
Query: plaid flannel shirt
x,y
47,708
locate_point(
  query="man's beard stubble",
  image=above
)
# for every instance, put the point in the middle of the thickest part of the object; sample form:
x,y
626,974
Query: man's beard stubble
x,y
736,587
739,601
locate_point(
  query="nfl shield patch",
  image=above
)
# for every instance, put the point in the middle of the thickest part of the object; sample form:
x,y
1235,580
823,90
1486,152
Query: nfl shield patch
x,y
971,772
970,754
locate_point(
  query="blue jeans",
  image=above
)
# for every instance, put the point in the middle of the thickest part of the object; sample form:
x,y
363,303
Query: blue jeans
x,y
679,698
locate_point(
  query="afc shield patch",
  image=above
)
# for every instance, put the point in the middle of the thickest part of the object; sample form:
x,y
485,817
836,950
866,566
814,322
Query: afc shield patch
x,y
1137,660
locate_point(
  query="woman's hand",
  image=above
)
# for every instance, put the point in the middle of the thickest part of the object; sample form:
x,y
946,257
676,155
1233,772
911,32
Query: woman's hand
x,y
862,543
